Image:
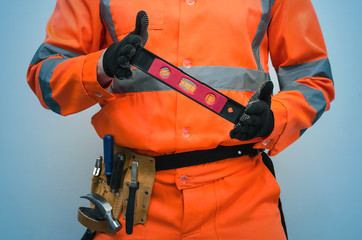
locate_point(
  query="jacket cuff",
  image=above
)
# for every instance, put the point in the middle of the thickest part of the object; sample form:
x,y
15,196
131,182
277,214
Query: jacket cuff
x,y
90,80
103,79
280,120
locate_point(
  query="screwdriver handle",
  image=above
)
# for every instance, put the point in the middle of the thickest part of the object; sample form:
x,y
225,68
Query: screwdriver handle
x,y
108,151
116,177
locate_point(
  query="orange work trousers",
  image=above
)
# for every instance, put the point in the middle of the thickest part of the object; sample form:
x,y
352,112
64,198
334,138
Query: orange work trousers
x,y
232,199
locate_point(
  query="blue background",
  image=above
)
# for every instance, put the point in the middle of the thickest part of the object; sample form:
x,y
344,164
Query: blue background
x,y
47,160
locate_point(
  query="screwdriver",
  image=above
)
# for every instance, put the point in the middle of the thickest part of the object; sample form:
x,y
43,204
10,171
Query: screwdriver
x,y
134,185
108,151
116,177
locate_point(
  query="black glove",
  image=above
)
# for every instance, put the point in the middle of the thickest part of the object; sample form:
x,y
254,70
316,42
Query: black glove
x,y
116,59
258,119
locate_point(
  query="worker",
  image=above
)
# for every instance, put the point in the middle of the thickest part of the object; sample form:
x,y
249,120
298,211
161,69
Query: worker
x,y
85,60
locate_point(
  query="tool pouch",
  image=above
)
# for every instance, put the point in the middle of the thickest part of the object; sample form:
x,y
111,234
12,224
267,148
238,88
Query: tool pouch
x,y
118,199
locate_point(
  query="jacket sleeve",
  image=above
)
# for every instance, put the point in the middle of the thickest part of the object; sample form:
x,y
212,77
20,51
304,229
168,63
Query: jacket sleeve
x,y
63,71
299,56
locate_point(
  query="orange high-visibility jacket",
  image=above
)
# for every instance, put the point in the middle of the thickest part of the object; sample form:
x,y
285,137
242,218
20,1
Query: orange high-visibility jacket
x,y
225,44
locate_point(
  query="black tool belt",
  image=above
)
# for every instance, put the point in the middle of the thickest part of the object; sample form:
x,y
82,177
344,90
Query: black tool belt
x,y
187,159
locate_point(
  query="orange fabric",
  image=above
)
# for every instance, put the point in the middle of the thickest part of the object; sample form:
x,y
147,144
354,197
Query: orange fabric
x,y
231,199
207,33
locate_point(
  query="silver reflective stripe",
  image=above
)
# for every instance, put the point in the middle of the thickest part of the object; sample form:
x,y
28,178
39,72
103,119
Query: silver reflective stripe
x,y
266,6
47,50
45,75
318,68
314,97
288,76
107,18
220,78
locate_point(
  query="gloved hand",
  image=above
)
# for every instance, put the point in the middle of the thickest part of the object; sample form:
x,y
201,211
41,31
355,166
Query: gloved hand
x,y
258,119
116,59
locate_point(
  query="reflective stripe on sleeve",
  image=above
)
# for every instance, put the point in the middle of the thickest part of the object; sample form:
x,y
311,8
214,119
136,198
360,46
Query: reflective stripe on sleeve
x,y
288,76
318,68
107,18
220,78
47,50
266,6
45,75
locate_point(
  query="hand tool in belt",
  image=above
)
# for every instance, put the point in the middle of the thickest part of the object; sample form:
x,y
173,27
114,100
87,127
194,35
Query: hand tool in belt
x,y
199,92
108,151
117,169
134,185
97,167
99,218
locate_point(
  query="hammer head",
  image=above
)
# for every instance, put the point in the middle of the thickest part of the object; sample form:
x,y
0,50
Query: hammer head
x,y
103,210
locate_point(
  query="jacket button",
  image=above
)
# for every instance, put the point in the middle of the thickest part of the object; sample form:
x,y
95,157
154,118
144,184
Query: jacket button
x,y
190,2
187,63
98,94
184,179
186,132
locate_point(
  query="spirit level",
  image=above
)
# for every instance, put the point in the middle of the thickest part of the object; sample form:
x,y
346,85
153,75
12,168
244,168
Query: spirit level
x,y
175,78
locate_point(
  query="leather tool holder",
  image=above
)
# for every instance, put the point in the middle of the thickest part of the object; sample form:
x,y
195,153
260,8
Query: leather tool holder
x,y
118,199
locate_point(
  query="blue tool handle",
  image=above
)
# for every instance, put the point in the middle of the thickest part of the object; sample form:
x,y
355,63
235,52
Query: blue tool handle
x,y
108,151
